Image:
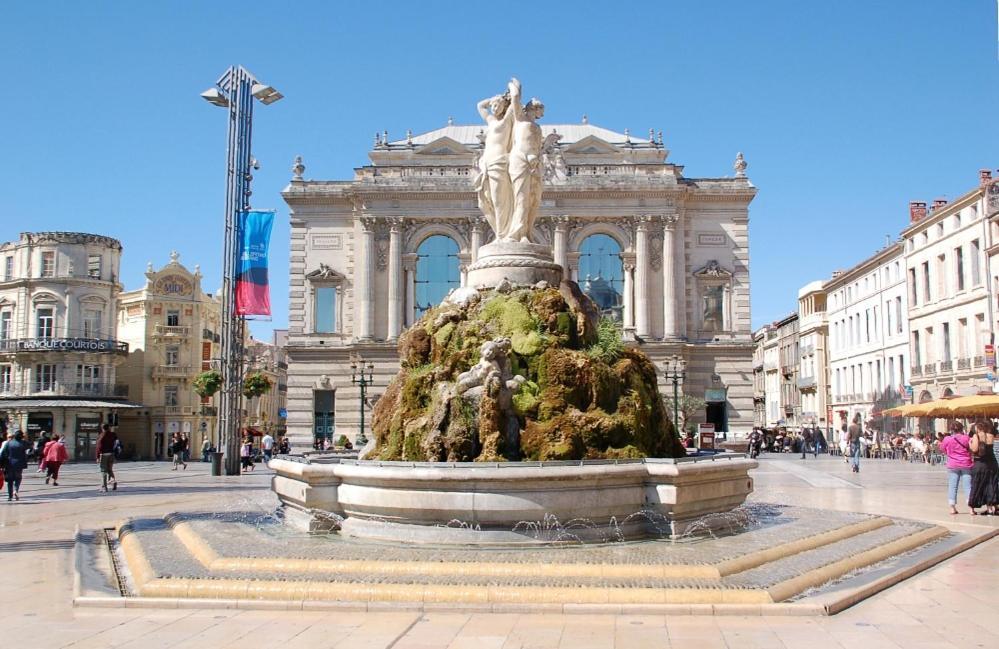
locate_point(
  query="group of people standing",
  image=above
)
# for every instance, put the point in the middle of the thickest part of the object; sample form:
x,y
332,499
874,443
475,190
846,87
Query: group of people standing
x,y
972,461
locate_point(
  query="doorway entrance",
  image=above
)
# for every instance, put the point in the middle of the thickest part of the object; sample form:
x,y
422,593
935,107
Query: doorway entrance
x,y
87,431
716,413
323,425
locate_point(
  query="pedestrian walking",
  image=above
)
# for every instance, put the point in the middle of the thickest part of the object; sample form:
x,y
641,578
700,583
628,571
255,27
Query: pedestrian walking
x,y
246,454
855,434
984,471
40,444
13,461
957,447
268,443
55,455
177,445
206,448
105,457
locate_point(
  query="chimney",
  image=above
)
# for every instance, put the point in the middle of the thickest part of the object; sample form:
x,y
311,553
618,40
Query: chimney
x,y
938,203
917,211
984,176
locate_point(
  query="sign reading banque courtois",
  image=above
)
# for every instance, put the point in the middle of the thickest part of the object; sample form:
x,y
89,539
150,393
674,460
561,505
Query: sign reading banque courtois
x,y
68,344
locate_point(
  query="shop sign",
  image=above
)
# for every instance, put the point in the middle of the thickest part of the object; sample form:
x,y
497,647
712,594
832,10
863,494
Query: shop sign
x,y
706,434
68,344
88,424
715,395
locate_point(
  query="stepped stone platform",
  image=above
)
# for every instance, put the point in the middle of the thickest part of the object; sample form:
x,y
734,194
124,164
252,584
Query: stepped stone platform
x,y
764,559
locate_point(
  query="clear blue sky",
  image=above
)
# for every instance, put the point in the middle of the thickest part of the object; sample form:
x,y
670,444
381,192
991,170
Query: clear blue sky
x,y
845,110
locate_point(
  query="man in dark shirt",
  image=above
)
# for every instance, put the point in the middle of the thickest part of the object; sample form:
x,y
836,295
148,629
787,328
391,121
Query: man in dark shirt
x,y
105,457
854,433
13,460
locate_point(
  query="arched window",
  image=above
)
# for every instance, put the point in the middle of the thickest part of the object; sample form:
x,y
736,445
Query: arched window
x,y
436,271
601,273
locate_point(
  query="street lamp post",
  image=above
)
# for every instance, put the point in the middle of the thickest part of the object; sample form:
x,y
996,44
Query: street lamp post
x,y
235,90
676,371
358,378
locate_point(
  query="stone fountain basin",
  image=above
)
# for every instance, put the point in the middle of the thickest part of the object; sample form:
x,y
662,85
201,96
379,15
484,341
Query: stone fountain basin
x,y
510,502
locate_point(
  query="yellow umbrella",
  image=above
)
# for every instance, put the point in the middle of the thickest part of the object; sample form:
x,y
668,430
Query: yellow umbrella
x,y
911,409
979,405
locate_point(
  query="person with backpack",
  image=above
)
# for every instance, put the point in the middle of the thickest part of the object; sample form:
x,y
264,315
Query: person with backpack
x,y
13,461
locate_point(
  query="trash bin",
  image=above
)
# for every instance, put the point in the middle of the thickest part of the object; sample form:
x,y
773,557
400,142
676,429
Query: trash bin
x,y
216,463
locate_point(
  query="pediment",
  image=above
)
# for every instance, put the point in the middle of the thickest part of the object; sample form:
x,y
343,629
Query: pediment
x,y
442,146
325,274
712,270
591,144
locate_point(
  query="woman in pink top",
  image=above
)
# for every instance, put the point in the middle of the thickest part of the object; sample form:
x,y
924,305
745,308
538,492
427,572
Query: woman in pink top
x,y
957,448
55,455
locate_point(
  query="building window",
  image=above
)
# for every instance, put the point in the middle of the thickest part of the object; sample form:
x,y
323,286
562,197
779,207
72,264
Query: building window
x,y
436,272
962,338
94,266
946,342
8,268
88,379
48,264
898,313
942,276
959,267
5,320
976,253
173,318
325,309
913,296
45,319
170,396
916,353
602,272
172,355
927,296
92,323
6,378
44,378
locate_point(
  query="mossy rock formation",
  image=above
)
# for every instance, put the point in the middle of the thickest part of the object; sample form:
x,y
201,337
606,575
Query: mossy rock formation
x,y
585,395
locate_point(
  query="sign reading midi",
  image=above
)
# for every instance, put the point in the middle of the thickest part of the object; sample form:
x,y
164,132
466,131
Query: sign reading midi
x,y
252,292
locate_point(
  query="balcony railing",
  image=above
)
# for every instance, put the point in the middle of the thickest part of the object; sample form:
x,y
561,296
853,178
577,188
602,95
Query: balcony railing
x,y
47,345
946,366
929,368
59,389
805,382
209,411
172,331
916,371
979,361
964,364
172,371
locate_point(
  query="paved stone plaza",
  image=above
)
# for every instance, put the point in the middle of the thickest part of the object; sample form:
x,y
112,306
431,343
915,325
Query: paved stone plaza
x,y
948,606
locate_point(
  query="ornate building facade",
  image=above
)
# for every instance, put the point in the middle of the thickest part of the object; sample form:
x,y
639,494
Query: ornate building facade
x,y
59,348
664,254
172,328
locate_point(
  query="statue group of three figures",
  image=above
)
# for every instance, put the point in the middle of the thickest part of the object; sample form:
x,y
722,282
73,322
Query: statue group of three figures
x,y
510,171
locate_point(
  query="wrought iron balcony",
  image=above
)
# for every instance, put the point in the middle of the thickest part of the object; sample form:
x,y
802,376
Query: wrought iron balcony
x,y
964,364
50,345
58,389
979,361
171,331
946,366
172,371
209,411
929,368
916,371
806,382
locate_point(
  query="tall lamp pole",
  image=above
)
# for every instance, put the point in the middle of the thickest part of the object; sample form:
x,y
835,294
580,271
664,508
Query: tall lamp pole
x,y
676,371
358,378
235,90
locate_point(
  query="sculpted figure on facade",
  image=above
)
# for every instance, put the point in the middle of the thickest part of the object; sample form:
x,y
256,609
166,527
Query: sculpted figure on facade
x,y
510,170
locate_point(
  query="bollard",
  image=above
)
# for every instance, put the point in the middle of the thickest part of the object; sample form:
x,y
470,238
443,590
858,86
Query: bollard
x,y
216,463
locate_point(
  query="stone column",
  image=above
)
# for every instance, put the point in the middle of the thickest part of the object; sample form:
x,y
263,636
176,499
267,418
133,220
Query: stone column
x,y
462,275
364,270
642,277
409,264
560,238
629,296
475,237
671,329
395,296
572,272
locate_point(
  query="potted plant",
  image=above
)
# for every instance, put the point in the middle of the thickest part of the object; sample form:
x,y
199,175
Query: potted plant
x,y
207,383
255,385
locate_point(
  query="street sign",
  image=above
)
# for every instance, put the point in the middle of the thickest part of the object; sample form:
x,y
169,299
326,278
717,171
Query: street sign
x,y
990,356
706,433
908,392
283,412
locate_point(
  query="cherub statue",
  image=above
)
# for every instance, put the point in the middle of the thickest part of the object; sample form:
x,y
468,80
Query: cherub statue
x,y
493,366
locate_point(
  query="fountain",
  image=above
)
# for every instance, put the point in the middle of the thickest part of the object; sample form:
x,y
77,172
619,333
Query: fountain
x,y
514,401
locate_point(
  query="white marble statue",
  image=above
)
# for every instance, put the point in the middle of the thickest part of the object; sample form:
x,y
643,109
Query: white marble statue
x,y
493,180
510,170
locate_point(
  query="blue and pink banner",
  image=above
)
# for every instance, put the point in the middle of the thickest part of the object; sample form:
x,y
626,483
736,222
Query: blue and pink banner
x,y
252,289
